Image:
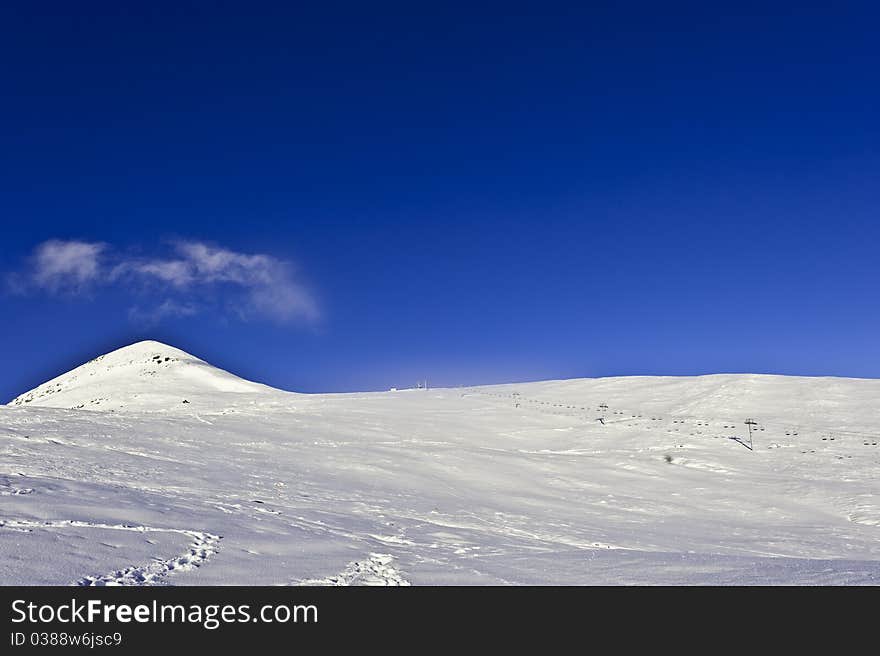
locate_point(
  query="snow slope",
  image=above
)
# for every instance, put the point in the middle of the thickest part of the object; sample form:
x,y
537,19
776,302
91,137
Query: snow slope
x,y
106,476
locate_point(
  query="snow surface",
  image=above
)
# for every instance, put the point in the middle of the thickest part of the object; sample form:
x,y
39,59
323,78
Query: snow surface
x,y
108,477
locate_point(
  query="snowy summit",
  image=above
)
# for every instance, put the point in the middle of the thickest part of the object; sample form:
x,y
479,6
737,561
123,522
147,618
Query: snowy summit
x,y
146,375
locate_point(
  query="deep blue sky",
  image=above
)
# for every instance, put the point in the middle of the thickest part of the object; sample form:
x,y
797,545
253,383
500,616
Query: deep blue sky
x,y
471,192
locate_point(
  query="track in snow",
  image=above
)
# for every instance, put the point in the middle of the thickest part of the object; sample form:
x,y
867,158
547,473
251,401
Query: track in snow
x,y
377,570
203,546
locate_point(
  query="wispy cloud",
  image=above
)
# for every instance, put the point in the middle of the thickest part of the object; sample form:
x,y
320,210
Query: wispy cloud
x,y
151,316
269,286
193,277
58,266
176,273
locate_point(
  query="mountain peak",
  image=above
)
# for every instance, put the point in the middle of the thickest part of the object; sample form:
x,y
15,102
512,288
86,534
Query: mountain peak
x,y
146,375
146,344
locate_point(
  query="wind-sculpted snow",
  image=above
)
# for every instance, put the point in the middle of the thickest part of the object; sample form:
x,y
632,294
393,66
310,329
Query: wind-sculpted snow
x,y
596,481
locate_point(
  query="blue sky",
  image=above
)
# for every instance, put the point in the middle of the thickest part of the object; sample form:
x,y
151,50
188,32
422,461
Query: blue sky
x,y
352,197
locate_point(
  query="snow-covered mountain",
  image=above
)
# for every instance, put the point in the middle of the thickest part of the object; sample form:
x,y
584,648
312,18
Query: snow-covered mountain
x,y
147,375
107,476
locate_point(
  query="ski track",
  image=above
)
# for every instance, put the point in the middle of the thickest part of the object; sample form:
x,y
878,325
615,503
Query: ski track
x,y
203,546
377,570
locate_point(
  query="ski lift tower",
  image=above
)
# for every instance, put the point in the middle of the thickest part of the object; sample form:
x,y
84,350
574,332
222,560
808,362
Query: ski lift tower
x,y
751,422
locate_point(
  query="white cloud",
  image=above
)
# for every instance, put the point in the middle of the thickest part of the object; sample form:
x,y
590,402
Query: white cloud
x,y
269,287
174,272
166,309
194,277
66,265
283,302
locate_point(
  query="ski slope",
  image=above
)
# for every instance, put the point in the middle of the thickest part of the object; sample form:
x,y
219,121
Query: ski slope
x,y
148,466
